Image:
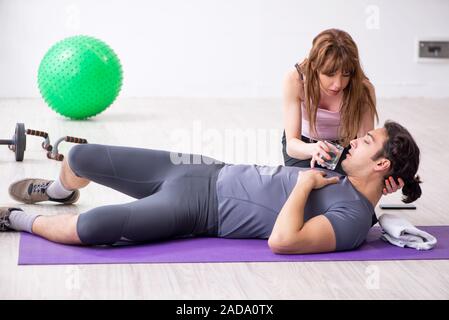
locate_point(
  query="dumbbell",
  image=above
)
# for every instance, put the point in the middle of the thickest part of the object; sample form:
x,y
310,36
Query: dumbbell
x,y
18,142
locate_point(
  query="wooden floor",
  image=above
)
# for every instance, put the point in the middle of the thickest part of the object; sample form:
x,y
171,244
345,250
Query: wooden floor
x,y
180,124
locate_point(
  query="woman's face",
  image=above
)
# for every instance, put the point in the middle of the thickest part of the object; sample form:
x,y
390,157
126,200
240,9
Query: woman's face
x,y
333,84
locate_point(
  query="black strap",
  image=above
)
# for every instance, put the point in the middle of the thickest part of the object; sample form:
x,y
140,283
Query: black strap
x,y
298,68
311,140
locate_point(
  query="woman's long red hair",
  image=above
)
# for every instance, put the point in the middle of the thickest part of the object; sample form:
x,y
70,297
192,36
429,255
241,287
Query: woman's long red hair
x,y
334,50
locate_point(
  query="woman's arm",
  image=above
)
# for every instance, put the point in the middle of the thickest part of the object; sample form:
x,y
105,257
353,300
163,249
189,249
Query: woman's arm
x,y
292,97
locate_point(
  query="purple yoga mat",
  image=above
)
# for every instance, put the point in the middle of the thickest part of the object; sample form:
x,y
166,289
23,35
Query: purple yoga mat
x,y
34,250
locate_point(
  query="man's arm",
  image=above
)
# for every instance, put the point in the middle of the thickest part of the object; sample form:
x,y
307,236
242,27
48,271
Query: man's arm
x,y
291,235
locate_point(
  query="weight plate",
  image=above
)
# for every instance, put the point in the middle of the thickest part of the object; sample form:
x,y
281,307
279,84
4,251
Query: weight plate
x,y
20,141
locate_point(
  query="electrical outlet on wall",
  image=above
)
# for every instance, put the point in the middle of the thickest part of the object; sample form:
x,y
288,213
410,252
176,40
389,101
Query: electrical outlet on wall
x,y
432,50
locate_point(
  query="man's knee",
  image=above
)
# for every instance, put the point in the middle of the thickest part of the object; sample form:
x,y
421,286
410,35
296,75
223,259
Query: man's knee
x,y
84,157
101,225
72,232
89,230
87,159
76,159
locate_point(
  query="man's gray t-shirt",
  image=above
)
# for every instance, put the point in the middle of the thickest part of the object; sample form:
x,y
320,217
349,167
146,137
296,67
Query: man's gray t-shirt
x,y
251,196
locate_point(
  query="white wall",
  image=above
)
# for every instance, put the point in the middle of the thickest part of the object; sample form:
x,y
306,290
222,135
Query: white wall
x,y
224,48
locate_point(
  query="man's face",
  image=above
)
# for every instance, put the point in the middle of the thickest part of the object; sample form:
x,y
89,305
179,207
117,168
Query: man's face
x,y
359,159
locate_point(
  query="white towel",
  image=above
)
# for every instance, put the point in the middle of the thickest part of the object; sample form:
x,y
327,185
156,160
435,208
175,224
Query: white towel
x,y
400,232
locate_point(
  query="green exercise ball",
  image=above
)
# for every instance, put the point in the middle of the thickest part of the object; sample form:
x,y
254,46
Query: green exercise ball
x,y
79,77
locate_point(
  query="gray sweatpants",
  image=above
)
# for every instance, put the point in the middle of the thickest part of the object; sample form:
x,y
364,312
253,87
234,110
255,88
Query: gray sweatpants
x,y
173,200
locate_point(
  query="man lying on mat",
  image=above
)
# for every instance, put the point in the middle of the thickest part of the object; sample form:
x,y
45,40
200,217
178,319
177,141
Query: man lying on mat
x,y
299,210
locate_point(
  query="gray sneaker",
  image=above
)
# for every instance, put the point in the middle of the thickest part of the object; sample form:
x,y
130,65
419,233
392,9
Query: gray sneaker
x,y
34,190
4,218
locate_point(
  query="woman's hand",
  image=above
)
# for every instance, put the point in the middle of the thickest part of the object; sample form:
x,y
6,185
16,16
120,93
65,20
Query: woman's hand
x,y
316,178
320,150
391,186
